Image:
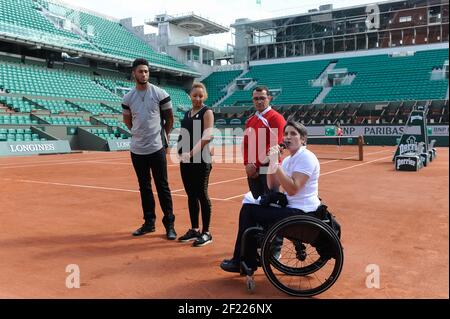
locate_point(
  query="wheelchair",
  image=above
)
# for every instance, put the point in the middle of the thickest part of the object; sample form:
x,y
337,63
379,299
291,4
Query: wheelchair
x,y
301,255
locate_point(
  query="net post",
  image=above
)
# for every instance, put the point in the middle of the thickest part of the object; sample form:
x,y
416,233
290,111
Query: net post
x,y
360,147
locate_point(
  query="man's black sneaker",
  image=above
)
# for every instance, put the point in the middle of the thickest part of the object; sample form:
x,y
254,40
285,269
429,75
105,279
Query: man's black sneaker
x,y
190,235
144,229
171,233
203,240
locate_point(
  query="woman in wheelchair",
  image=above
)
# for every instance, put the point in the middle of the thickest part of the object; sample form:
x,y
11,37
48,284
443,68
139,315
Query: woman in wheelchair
x,y
298,176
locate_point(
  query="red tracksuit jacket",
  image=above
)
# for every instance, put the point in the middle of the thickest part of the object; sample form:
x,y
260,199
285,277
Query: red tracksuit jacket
x,y
256,131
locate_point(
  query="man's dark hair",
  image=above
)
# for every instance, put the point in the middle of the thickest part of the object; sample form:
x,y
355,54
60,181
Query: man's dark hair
x,y
138,62
261,88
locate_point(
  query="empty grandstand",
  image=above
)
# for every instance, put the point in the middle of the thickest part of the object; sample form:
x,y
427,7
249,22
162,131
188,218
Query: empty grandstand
x,y
64,70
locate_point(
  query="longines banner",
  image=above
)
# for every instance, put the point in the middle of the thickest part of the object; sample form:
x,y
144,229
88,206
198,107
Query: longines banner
x,y
30,148
119,145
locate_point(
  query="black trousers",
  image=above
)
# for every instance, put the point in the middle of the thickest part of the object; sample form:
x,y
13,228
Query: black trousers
x,y
258,186
145,166
256,215
195,178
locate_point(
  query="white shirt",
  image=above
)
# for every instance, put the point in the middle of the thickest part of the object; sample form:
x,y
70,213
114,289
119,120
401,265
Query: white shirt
x,y
305,162
307,198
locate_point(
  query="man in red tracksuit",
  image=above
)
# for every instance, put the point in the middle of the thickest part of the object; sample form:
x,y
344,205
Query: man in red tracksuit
x,y
262,130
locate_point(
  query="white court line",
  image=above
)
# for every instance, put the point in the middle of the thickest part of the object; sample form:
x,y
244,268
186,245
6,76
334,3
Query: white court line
x,y
179,195
59,161
69,162
106,160
173,192
346,168
49,163
346,158
216,183
109,163
90,187
328,173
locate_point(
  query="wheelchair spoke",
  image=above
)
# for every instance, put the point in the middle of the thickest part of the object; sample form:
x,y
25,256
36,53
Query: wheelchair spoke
x,y
302,266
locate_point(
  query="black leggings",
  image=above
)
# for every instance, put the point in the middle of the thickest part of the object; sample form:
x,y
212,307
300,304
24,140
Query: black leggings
x,y
195,180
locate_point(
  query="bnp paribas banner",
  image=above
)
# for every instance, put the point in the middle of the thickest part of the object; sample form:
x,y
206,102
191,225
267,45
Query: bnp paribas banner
x,y
378,130
32,148
119,145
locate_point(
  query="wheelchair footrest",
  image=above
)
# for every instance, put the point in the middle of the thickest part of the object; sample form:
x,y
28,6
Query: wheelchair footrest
x,y
246,270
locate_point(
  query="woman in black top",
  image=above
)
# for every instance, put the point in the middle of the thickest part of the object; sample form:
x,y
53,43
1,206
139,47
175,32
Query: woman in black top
x,y
195,164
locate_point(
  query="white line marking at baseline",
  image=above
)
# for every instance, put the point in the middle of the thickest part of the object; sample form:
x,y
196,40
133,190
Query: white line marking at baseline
x,y
52,163
328,173
61,161
216,183
357,165
90,187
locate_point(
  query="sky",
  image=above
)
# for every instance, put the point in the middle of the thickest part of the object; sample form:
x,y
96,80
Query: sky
x,y
224,12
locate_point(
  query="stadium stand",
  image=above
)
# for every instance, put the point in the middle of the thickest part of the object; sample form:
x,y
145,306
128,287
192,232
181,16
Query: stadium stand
x,y
35,80
377,78
291,78
216,82
40,88
387,78
43,21
25,19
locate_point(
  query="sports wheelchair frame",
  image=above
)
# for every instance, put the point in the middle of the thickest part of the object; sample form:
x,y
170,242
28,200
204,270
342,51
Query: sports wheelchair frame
x,y
300,255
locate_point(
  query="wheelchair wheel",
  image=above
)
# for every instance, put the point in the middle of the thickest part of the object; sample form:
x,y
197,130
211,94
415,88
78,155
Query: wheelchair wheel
x,y
309,260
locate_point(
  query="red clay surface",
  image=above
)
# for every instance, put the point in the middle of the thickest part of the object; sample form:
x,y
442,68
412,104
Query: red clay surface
x,y
81,209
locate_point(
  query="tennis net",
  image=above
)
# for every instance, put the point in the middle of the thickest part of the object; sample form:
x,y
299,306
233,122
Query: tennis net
x,y
324,147
337,147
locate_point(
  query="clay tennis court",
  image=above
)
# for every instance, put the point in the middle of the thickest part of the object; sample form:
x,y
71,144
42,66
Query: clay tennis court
x,y
81,209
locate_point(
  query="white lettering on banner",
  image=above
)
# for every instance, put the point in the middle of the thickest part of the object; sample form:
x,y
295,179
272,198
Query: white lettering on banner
x,y
22,148
380,130
406,161
439,130
410,147
383,130
123,144
416,117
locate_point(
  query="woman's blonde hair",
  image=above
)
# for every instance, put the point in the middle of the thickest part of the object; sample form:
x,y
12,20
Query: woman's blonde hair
x,y
199,85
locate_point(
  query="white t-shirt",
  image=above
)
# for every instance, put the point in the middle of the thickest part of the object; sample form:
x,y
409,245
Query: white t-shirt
x,y
144,107
305,162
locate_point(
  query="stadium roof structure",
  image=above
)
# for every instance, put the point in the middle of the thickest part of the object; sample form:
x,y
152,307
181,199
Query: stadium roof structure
x,y
271,22
194,24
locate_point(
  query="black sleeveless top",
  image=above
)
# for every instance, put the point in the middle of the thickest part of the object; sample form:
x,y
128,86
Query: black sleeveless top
x,y
195,127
